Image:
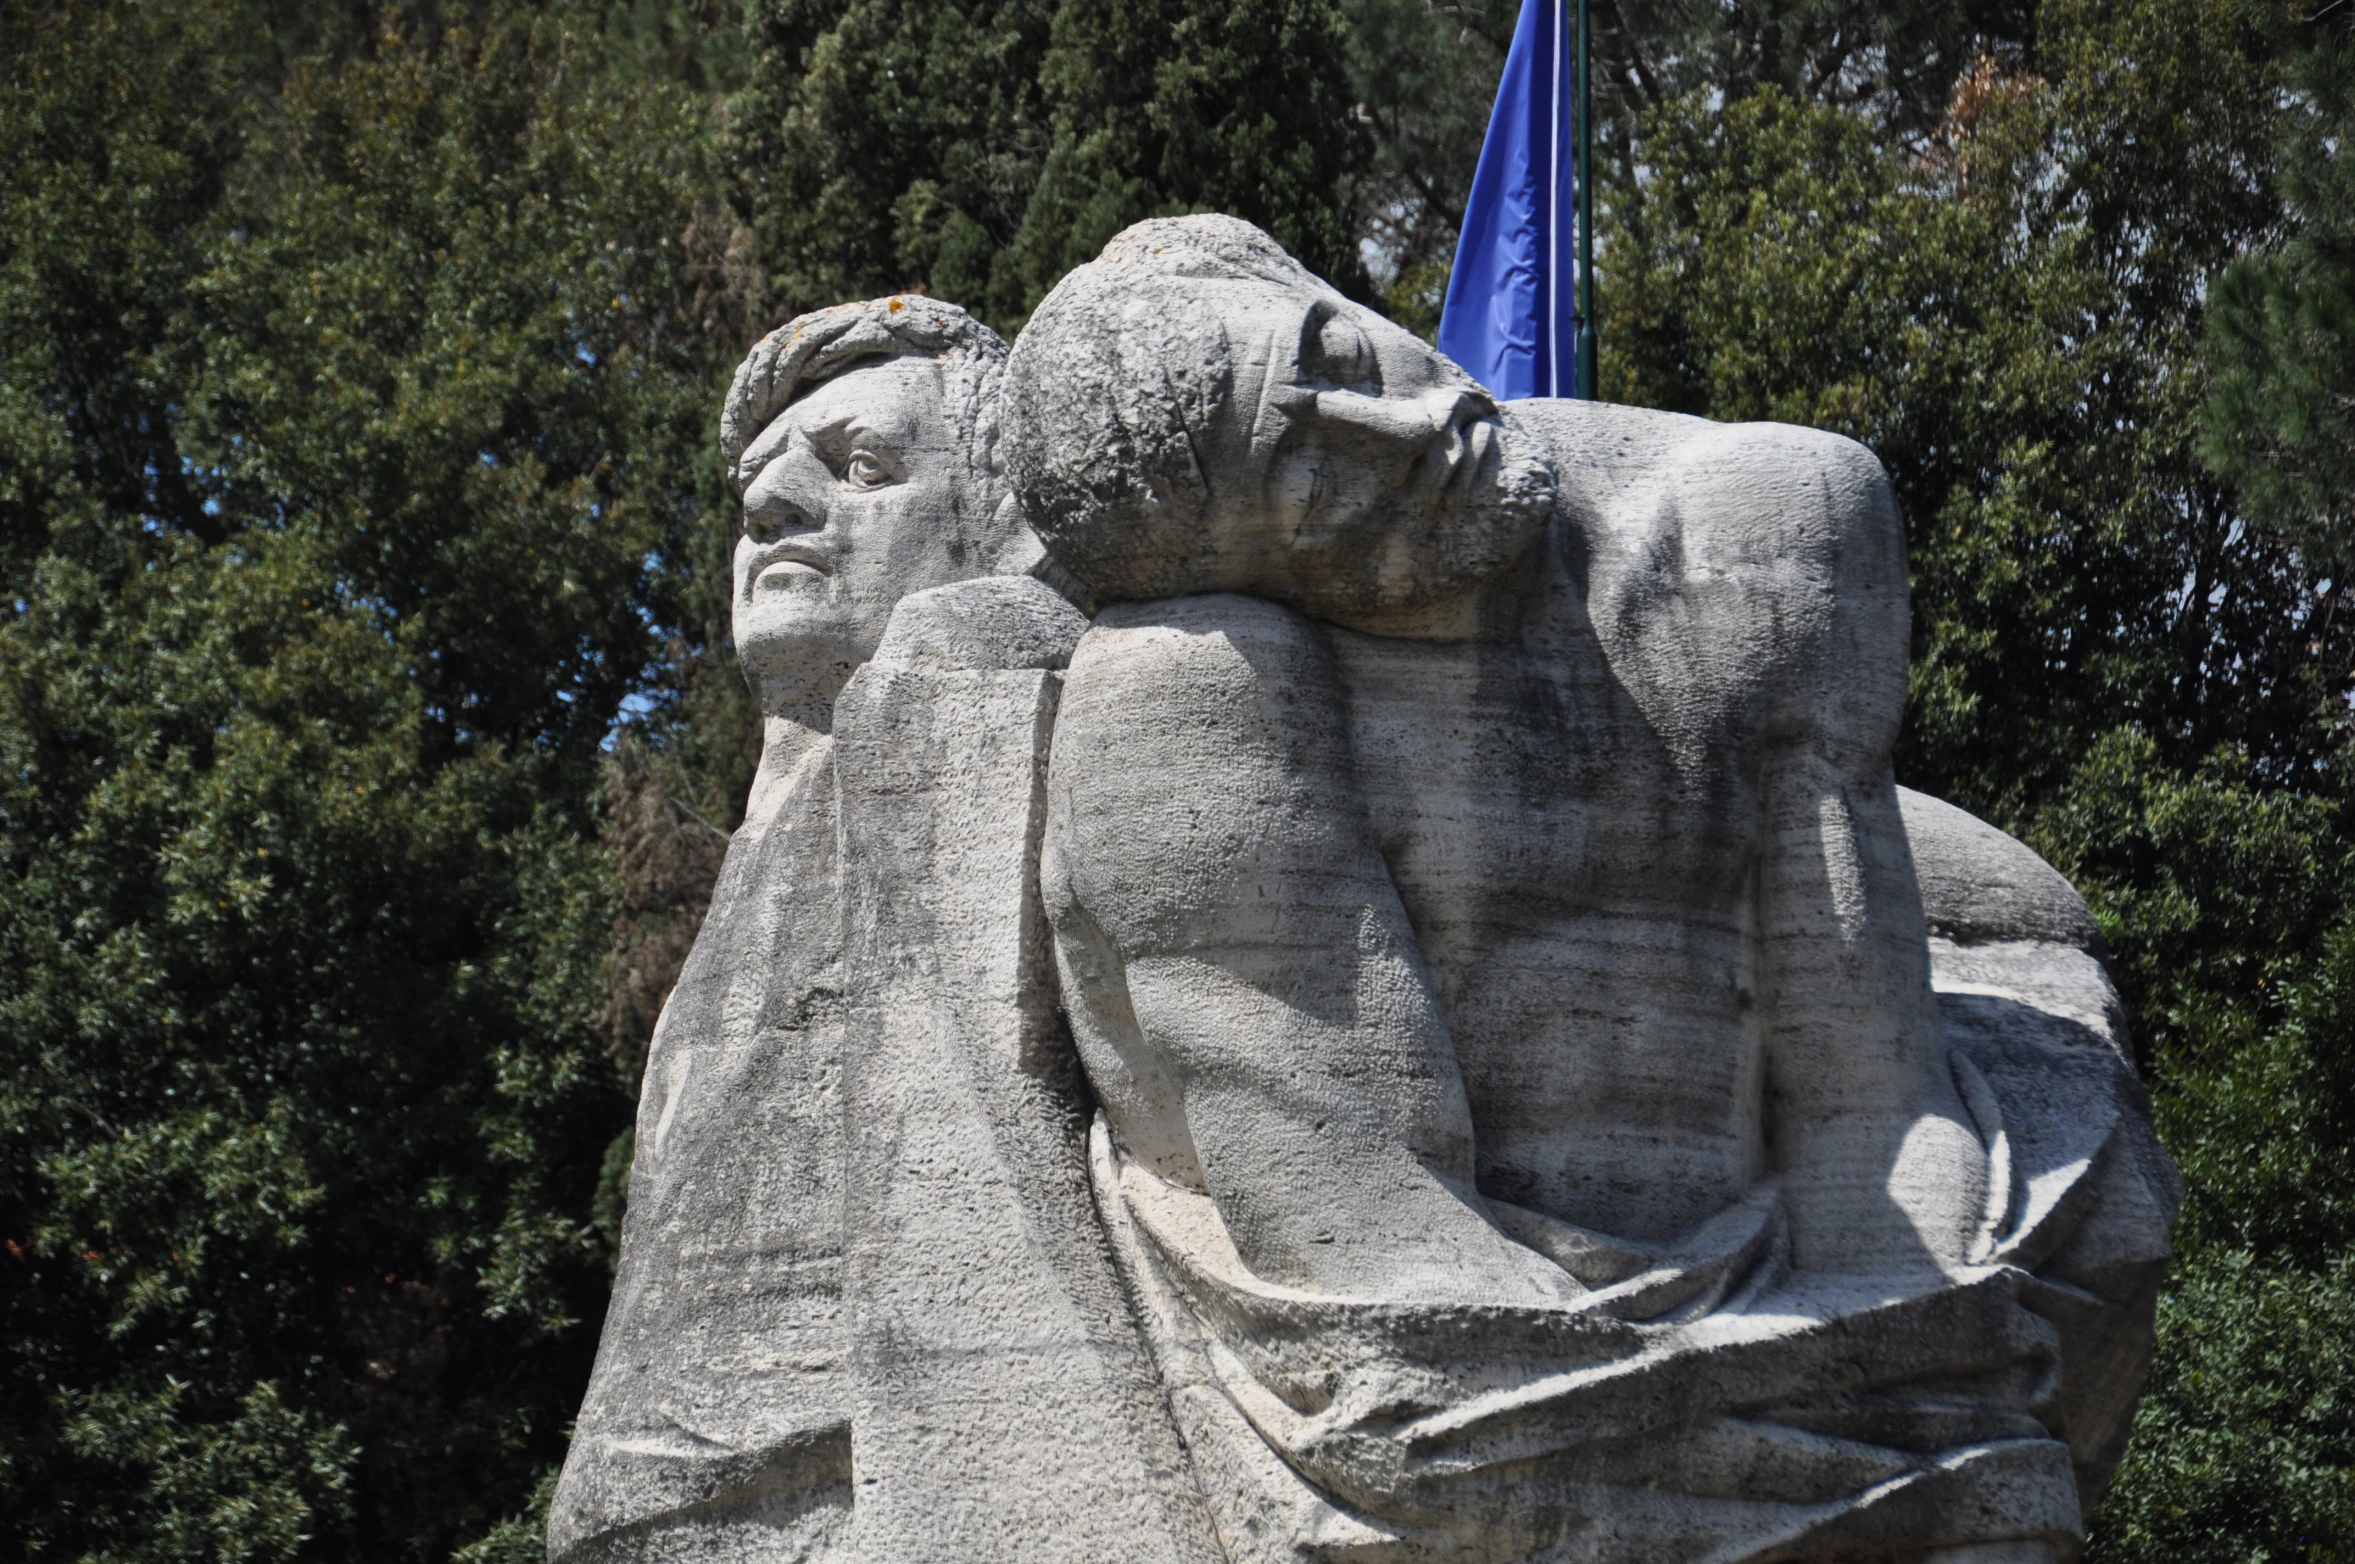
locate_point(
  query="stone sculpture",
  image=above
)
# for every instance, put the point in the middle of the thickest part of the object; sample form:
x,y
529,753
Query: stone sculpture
x,y
1485,915
717,1421
1436,1039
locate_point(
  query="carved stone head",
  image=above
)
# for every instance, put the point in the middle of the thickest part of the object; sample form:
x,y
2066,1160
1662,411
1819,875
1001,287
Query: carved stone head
x,y
1193,411
861,441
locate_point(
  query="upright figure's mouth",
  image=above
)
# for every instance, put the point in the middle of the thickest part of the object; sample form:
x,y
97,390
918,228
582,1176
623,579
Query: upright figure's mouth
x,y
779,568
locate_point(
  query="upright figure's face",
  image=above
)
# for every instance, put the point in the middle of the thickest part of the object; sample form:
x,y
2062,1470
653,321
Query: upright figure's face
x,y
1373,462
861,495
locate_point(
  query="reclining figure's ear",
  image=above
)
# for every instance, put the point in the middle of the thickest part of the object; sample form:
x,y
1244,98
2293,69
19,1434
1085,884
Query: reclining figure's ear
x,y
1015,550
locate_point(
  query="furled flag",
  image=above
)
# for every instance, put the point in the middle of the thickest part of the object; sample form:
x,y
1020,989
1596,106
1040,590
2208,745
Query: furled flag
x,y
1511,317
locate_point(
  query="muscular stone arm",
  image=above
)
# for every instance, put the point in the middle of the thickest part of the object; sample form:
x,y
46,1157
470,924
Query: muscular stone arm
x,y
1246,992
1883,1170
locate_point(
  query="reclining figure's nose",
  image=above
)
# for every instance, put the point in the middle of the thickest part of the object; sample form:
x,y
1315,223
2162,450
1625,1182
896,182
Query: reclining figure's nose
x,y
1415,420
1401,430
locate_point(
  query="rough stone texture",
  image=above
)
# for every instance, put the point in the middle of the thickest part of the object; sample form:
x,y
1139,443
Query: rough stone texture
x,y
2023,984
718,1421
1426,1032
1530,1128
1002,1407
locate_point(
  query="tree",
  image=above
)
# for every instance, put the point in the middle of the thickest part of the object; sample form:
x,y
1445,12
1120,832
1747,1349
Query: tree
x,y
2247,1437
980,150
1425,74
2280,424
346,445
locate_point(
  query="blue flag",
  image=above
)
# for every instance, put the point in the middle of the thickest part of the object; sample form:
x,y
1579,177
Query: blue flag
x,y
1511,317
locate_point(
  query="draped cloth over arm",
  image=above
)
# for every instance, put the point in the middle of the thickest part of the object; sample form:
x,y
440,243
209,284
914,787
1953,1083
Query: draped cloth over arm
x,y
1704,1398
1767,1416
716,1421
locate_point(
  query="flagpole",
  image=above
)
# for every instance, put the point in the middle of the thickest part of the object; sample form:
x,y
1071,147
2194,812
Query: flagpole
x,y
1553,211
1586,211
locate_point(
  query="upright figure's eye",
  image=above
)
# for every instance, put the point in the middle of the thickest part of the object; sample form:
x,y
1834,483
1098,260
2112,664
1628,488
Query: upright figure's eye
x,y
866,471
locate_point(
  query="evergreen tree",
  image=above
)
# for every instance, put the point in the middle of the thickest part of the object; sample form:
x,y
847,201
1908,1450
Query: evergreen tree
x,y
2247,1437
885,144
346,432
980,150
2281,423
1425,76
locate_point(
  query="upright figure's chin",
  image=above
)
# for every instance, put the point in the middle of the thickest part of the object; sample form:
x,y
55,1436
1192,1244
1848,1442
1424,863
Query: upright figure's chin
x,y
794,653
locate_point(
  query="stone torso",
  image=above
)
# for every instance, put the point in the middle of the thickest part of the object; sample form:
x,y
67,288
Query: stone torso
x,y
719,1387
1584,904
1570,808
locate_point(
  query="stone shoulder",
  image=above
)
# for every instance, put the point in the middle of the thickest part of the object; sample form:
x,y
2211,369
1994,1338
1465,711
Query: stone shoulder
x,y
1981,885
1733,570
1746,492
988,623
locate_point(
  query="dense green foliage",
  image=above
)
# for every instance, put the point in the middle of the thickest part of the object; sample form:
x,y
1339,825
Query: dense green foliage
x,y
982,150
2282,422
1425,73
370,730
342,452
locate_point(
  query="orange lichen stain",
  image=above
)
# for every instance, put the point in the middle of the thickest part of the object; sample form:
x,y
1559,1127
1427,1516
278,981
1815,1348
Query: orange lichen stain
x,y
897,305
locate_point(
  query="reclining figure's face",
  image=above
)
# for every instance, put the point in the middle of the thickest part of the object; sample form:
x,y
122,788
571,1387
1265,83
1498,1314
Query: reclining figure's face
x,y
1185,433
1355,470
1367,456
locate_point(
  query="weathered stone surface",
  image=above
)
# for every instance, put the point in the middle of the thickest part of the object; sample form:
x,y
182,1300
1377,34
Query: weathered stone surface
x,y
1002,1407
718,1421
2023,984
1425,1032
1488,924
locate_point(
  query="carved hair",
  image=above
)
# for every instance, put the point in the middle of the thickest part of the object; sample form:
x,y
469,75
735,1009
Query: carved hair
x,y
1210,244
1111,392
1117,395
818,346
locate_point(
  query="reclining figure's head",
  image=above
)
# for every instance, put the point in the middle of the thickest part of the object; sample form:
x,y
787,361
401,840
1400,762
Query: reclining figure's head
x,y
861,440
1193,411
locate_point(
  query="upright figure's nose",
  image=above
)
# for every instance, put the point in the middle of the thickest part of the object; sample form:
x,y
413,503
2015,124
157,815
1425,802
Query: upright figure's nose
x,y
788,496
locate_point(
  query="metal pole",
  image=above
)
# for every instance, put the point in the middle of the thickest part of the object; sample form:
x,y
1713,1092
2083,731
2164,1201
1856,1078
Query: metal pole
x,y
1586,211
1553,223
